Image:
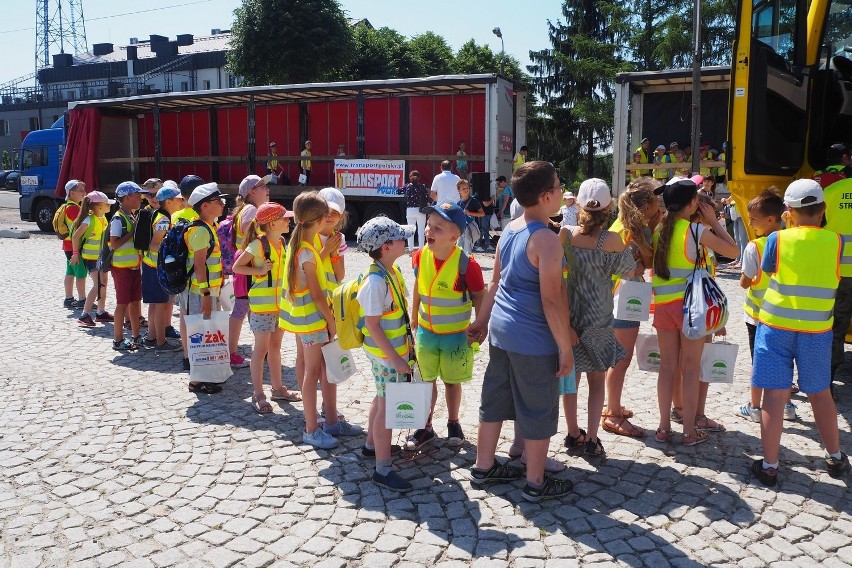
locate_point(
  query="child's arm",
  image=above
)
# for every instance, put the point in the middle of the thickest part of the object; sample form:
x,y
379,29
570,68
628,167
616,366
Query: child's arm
x,y
415,306
116,242
479,328
156,239
337,263
75,242
318,296
243,265
554,299
745,281
718,240
399,364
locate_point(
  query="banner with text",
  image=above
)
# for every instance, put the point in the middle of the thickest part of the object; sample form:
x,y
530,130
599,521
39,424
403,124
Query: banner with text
x,y
369,177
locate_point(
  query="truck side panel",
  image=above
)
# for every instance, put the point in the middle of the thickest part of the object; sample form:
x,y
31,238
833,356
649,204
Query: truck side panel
x,y
279,124
381,127
232,134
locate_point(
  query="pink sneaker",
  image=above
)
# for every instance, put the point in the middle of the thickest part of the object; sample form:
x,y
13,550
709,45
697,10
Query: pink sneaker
x,y
238,362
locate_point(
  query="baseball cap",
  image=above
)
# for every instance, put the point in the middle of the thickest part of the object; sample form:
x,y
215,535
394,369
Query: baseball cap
x,y
803,192
272,144
645,140
697,179
569,195
271,211
126,188
168,191
677,193
189,183
379,230
249,183
335,199
451,212
71,185
594,195
204,192
661,147
674,145
99,197
515,209
153,183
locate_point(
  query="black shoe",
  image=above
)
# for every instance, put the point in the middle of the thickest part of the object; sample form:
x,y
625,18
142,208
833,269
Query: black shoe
x,y
593,448
368,453
552,489
392,481
836,468
186,364
139,342
124,345
575,443
497,473
768,477
78,304
172,333
68,303
420,437
455,436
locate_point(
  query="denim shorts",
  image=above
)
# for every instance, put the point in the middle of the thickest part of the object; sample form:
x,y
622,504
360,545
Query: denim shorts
x,y
152,292
776,349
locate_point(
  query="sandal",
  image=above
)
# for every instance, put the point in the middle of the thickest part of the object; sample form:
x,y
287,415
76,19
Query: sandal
x,y
286,396
677,417
205,388
550,465
694,439
666,436
620,429
574,443
625,413
261,405
709,425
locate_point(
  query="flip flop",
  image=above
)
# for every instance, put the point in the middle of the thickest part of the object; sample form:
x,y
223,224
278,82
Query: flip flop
x,y
292,396
620,430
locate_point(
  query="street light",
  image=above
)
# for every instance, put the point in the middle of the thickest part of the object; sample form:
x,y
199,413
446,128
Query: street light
x,y
496,31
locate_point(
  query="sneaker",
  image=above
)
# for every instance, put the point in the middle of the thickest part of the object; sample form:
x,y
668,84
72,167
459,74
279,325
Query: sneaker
x,y
368,453
124,345
790,412
139,342
319,438
104,317
342,428
837,468
86,321
392,481
172,333
68,303
168,347
78,304
748,412
497,473
186,363
593,448
150,342
455,436
768,477
551,489
238,361
420,437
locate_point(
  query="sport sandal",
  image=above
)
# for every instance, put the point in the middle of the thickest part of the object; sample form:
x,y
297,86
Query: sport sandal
x,y
551,489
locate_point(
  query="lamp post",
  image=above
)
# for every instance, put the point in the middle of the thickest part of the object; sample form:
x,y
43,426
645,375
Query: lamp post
x,y
496,31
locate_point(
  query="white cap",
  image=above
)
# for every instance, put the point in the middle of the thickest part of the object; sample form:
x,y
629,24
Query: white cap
x,y
594,195
569,195
803,192
202,192
335,199
71,185
249,183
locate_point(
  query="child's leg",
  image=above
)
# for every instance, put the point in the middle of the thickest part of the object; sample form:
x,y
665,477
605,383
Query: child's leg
x,y
381,435
258,354
825,416
669,363
81,287
92,296
370,442
182,326
300,365
772,422
615,375
314,368
118,324
486,444
677,391
103,278
536,452
690,367
273,359
68,283
569,405
134,310
597,392
453,395
164,318
235,324
329,398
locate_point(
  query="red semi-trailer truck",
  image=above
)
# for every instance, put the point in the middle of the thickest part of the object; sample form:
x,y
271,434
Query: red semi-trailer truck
x,y
224,135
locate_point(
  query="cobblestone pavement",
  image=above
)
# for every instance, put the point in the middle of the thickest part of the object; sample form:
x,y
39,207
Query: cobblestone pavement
x,y
107,460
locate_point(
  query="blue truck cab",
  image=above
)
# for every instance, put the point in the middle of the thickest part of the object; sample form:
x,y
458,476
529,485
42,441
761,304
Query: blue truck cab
x,y
40,158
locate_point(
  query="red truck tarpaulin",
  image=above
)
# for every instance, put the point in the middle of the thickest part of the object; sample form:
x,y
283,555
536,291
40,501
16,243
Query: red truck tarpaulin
x,y
81,151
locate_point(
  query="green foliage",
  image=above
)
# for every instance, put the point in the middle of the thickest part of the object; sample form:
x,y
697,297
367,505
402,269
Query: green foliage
x,y
288,41
433,52
6,161
472,58
382,54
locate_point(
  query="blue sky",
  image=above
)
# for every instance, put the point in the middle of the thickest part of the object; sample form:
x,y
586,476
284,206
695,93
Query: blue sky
x,y
524,24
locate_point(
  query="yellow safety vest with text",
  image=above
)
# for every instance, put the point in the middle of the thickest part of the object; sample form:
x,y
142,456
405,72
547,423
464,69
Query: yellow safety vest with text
x,y
680,265
392,322
125,256
757,290
838,218
443,310
214,264
91,240
266,290
800,295
300,314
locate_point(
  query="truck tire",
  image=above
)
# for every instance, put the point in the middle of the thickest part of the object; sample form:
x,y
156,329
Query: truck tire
x,y
43,212
380,209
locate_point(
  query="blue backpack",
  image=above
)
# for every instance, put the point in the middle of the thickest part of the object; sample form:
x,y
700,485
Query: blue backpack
x,y
171,262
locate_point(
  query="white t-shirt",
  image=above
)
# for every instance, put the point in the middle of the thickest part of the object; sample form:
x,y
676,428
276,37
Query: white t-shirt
x,y
376,298
444,185
116,226
751,268
247,215
569,215
691,249
515,210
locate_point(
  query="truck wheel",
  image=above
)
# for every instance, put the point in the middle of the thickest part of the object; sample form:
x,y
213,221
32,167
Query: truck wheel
x,y
382,210
353,221
43,214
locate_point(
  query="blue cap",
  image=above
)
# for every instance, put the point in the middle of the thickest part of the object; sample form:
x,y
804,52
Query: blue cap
x,y
166,192
189,183
451,212
126,188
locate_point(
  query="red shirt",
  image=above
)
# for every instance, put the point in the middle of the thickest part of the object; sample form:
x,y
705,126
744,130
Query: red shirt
x,y
71,213
473,277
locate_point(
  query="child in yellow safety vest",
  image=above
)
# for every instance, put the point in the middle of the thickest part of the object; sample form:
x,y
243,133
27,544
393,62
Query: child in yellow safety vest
x,y
126,272
384,316
794,325
263,260
86,241
306,311
75,274
447,283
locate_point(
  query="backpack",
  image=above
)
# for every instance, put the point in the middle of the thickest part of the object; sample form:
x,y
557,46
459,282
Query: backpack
x,y
226,235
144,229
59,225
171,262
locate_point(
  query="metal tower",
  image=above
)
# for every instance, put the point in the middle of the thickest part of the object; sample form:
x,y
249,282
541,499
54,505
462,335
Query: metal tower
x,y
59,26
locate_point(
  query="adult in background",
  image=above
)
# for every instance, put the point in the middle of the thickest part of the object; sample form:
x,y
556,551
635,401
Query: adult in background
x,y
520,158
504,201
417,197
444,184
305,163
273,166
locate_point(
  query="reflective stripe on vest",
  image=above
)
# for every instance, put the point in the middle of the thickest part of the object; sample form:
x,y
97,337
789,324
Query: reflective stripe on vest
x,y
662,173
149,257
125,256
838,218
263,298
443,310
214,263
800,295
680,266
328,268
757,290
91,245
391,322
299,313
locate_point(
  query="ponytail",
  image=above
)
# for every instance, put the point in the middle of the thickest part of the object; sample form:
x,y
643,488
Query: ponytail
x,y
309,209
590,221
85,211
253,232
664,241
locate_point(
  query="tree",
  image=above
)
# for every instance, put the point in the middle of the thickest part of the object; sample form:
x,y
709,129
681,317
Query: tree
x,y
381,54
288,41
433,52
6,161
472,58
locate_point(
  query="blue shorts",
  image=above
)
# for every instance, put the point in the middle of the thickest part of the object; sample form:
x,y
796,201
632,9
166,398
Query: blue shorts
x,y
625,324
776,349
568,383
152,292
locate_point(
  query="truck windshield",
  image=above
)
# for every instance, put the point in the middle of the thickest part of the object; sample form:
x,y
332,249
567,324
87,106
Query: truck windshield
x,y
838,28
774,24
34,157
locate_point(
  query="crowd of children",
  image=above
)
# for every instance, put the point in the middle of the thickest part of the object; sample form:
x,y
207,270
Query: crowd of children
x,y
547,311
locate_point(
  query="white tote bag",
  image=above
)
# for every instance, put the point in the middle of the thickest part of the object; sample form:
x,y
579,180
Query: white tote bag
x,y
209,359
303,179
407,405
226,295
648,353
494,223
718,362
339,363
632,301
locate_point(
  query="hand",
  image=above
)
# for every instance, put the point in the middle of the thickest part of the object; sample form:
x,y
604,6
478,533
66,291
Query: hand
x,y
75,259
332,329
206,306
401,366
708,214
566,363
722,332
575,339
267,266
332,245
476,332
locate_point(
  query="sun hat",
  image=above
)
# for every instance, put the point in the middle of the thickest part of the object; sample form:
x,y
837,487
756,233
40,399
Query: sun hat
x,y
379,230
594,195
335,199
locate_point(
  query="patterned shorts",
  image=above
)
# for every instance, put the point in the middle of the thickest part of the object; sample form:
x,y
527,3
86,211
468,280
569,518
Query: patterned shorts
x,y
315,338
263,323
385,375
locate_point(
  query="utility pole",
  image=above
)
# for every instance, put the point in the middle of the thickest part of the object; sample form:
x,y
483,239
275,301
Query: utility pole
x,y
696,88
59,26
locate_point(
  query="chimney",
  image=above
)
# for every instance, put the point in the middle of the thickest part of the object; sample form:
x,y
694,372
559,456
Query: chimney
x,y
185,39
62,60
158,39
165,48
131,53
102,49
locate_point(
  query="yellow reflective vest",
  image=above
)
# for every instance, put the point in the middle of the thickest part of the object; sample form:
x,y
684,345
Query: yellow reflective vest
x,y
392,322
755,293
125,256
214,263
149,257
267,289
680,265
328,268
644,159
800,295
300,314
90,242
443,310
838,218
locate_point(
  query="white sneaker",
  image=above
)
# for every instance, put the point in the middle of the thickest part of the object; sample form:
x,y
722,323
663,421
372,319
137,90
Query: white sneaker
x,y
790,412
749,412
319,439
